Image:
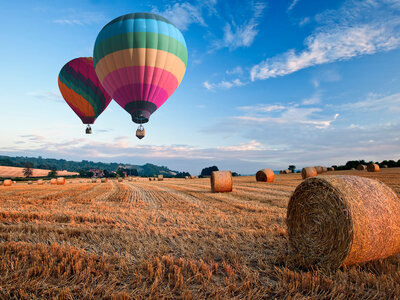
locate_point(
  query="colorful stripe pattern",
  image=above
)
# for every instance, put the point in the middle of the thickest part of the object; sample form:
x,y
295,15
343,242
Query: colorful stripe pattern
x,y
140,59
82,90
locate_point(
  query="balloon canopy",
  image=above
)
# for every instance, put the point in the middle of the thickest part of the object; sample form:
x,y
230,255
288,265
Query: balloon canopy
x,y
140,59
82,90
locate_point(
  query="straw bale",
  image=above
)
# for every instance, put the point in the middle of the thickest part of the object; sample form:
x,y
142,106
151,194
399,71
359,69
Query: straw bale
x,y
308,172
94,180
7,182
160,177
60,180
103,180
53,181
265,175
120,179
30,182
319,169
384,166
373,168
341,220
330,169
361,167
221,181
40,182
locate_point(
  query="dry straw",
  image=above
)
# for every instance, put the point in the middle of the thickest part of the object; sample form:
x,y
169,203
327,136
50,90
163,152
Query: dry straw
x,y
308,172
221,181
265,175
361,167
7,182
40,182
373,168
53,181
342,220
60,180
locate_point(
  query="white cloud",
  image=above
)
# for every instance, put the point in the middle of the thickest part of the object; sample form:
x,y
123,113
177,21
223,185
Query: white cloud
x,y
375,102
292,5
243,34
235,71
260,114
183,14
316,98
362,28
53,96
223,84
304,21
81,18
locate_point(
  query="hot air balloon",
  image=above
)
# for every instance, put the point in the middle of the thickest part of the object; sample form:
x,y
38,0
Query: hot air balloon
x,y
82,90
140,59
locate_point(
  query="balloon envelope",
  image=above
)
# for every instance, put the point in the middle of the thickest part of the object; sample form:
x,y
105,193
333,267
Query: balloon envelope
x,y
140,59
82,90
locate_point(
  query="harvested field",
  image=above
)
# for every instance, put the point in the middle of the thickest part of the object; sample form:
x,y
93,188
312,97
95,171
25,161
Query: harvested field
x,y
10,172
171,239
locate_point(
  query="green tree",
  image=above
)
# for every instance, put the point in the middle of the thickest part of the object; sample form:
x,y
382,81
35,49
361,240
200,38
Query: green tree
x,y
27,170
120,173
208,171
52,173
292,168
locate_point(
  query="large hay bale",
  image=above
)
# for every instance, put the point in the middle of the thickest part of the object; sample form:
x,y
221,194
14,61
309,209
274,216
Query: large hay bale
x,y
53,181
308,172
160,177
103,180
361,167
342,220
373,168
120,179
30,182
40,182
221,181
265,175
60,180
7,182
319,169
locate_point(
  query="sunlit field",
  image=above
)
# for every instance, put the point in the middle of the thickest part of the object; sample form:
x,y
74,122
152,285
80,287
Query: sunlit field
x,y
168,239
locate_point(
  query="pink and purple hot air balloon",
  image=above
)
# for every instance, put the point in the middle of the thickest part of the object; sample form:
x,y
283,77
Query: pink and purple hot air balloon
x,y
140,59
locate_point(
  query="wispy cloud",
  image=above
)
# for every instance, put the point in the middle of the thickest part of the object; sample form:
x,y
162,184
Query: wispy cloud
x,y
363,27
293,4
291,114
53,96
81,18
183,14
224,84
241,34
375,102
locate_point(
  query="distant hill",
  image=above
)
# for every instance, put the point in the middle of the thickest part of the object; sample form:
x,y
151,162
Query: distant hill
x,y
76,166
11,172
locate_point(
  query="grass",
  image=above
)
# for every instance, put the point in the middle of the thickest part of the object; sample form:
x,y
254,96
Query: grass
x,y
168,239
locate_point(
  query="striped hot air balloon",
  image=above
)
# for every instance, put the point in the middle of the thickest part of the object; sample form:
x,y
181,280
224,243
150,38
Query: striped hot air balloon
x,y
82,90
140,59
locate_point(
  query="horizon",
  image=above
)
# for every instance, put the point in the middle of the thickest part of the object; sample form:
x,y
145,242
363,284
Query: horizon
x,y
267,85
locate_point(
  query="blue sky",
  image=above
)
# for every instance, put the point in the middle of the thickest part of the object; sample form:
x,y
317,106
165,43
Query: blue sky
x,y
268,84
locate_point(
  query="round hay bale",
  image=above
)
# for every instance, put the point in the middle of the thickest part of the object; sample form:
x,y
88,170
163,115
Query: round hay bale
x,y
14,182
373,168
221,181
384,166
186,177
361,167
80,181
330,169
341,220
352,169
308,172
191,177
149,178
319,169
40,182
53,181
285,171
29,182
160,177
94,180
7,182
103,180
60,180
265,175
120,179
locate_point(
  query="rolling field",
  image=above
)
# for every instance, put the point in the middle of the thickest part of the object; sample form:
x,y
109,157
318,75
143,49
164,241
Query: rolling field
x,y
168,239
10,172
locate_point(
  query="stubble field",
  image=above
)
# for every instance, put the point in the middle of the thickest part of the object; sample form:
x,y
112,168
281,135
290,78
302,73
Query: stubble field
x,y
168,239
